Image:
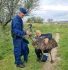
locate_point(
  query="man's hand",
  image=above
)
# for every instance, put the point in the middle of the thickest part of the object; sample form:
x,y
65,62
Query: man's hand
x,y
46,40
28,32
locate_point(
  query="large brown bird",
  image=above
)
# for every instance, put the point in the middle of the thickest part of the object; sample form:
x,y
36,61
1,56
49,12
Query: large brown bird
x,y
39,43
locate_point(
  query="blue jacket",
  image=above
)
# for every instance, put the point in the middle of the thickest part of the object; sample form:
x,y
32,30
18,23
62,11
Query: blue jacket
x,y
47,35
17,27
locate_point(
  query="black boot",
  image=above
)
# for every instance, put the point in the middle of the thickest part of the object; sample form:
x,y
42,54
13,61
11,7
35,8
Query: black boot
x,y
38,59
20,65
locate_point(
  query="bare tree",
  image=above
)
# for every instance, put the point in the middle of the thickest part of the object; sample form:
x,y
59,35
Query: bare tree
x,y
30,4
2,4
12,6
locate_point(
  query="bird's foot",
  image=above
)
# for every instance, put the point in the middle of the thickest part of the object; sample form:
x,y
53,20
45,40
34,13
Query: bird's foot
x,y
52,61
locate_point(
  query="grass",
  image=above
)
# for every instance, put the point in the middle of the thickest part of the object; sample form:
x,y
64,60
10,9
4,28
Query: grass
x,y
5,42
63,51
6,47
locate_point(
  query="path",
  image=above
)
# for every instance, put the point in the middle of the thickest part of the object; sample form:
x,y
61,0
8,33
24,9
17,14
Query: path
x,y
48,65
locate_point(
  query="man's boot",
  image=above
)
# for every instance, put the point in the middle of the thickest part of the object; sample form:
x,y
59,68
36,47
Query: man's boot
x,y
20,65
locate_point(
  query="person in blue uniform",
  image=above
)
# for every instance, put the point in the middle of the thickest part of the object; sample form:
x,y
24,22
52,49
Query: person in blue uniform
x,y
19,41
42,56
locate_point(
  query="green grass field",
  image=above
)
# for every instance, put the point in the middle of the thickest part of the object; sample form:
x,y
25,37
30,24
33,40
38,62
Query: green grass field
x,y
6,48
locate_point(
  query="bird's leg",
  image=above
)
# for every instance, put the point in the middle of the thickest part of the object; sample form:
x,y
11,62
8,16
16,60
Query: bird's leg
x,y
51,58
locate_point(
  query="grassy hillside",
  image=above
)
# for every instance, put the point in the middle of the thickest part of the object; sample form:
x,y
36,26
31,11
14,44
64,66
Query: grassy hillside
x,y
6,48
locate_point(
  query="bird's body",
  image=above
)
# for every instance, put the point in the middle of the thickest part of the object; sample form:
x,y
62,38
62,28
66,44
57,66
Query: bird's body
x,y
39,43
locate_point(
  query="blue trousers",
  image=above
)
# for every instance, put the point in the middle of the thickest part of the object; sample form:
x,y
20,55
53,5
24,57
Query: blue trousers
x,y
39,54
20,48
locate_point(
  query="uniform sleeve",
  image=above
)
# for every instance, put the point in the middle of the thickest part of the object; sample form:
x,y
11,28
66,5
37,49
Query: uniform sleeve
x,y
17,31
49,36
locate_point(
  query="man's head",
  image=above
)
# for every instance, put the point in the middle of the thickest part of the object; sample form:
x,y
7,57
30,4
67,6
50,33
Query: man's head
x,y
22,12
38,33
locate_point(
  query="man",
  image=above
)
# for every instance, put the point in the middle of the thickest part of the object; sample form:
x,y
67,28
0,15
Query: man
x,y
19,41
38,51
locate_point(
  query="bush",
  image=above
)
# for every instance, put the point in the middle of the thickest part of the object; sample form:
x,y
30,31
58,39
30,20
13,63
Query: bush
x,y
35,20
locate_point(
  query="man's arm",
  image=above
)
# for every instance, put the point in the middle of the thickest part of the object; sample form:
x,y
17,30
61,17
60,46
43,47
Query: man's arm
x,y
49,36
18,32
16,29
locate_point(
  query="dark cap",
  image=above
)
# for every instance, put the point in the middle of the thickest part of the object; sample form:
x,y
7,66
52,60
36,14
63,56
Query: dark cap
x,y
23,10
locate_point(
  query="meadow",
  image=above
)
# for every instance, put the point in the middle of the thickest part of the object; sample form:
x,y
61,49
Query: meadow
x,y
6,47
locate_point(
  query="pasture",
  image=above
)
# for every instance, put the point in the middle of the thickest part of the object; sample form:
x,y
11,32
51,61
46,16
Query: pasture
x,y
6,47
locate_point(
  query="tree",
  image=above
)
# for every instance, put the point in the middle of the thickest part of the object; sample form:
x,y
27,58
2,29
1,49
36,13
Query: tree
x,y
10,7
35,20
39,20
50,20
2,4
30,4
29,20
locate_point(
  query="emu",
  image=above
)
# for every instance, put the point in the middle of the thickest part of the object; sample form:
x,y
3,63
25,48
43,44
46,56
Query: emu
x,y
39,43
